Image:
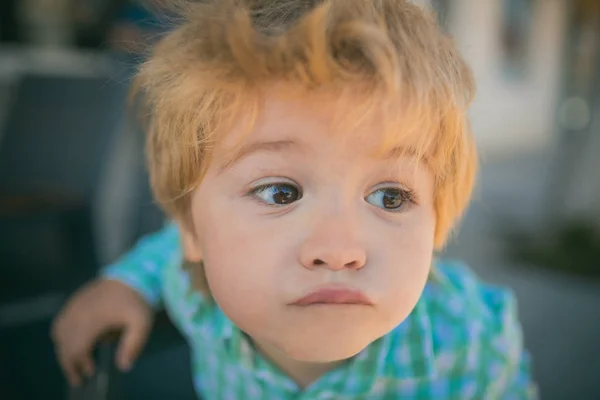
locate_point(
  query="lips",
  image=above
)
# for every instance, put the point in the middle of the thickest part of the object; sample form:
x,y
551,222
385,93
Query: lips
x,y
333,296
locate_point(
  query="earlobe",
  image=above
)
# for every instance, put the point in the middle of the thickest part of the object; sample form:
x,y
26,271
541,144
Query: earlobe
x,y
189,242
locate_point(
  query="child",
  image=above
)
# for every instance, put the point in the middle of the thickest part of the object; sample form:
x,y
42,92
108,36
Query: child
x,y
313,156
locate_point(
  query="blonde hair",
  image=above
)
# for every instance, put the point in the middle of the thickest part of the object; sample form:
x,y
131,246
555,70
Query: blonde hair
x,y
210,69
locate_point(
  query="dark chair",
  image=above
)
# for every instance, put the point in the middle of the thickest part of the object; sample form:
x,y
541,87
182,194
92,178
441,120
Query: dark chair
x,y
52,149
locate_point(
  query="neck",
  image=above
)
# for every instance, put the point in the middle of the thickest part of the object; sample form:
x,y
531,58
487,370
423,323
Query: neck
x,y
302,372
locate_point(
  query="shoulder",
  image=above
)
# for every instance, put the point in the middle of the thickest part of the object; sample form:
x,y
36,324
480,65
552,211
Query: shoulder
x,y
462,340
476,334
474,324
454,291
163,244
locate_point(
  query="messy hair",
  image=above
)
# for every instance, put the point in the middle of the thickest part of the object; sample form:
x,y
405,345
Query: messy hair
x,y
213,67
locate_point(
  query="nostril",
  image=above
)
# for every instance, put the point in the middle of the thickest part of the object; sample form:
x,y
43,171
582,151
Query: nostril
x,y
318,262
351,264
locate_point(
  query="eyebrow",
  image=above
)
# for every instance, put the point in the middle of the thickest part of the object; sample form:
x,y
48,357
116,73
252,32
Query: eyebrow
x,y
275,146
399,151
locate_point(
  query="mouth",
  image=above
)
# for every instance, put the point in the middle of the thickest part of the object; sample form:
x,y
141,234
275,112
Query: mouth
x,y
333,296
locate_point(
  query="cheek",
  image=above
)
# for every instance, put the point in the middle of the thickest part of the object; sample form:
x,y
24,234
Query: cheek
x,y
408,256
241,264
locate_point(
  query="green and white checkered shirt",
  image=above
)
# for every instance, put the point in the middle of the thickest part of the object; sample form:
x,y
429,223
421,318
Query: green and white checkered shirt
x,y
462,341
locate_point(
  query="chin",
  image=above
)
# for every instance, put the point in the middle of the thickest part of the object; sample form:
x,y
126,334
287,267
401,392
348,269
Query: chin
x,y
320,350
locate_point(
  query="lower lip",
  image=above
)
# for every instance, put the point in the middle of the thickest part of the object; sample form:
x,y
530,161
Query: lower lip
x,y
333,297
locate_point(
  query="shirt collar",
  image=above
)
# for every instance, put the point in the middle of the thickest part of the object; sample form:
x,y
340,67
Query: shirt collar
x,y
405,353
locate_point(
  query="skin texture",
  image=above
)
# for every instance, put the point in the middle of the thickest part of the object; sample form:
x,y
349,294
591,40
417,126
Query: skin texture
x,y
348,218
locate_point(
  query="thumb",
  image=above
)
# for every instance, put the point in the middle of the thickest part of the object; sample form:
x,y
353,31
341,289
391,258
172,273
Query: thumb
x,y
132,341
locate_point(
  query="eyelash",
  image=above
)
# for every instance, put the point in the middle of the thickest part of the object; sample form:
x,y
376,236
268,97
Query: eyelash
x,y
407,196
253,193
411,196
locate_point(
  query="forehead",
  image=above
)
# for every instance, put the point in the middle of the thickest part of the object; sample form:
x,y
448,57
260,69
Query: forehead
x,y
343,119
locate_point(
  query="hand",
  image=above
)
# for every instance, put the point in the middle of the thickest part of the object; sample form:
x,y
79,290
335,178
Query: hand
x,y
99,308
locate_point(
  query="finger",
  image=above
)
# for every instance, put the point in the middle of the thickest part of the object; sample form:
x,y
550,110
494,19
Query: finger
x,y
87,366
70,370
74,357
66,363
73,376
133,339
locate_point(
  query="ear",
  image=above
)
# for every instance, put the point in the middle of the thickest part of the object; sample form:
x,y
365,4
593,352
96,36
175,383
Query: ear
x,y
190,243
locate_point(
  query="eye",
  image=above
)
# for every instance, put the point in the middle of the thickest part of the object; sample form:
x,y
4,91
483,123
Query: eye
x,y
277,194
391,199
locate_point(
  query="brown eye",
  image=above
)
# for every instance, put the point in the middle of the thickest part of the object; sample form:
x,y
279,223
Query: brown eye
x,y
278,194
389,198
392,198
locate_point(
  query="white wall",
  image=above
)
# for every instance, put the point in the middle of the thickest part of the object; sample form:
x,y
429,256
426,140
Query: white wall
x,y
517,116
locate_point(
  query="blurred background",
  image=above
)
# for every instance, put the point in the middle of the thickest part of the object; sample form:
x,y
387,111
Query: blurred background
x,y
74,195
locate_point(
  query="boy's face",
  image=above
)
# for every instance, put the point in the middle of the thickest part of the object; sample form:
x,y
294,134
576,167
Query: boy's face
x,y
300,210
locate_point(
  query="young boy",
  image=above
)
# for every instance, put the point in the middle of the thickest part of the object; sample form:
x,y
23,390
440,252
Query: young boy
x,y
313,156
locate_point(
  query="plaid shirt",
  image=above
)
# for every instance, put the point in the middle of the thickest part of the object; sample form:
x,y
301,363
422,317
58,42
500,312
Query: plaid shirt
x,y
462,341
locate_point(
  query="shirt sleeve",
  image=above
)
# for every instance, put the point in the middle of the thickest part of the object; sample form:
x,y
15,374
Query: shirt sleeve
x,y
142,267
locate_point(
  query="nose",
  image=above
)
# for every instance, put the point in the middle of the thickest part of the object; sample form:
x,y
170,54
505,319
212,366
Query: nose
x,y
333,244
